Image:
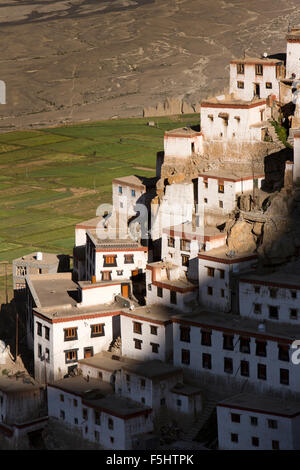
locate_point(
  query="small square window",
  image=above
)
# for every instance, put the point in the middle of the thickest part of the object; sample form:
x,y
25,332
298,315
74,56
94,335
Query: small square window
x,y
205,200
209,290
235,418
155,347
284,377
257,289
273,312
240,85
159,292
293,313
153,330
137,343
137,327
273,292
253,420
257,308
221,188
120,190
62,414
185,356
294,294
234,437
240,68
206,361
272,423
110,423
133,193
258,69
275,445
269,85
39,328
173,297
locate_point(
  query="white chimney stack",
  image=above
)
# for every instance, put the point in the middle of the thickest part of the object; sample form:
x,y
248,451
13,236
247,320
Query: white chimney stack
x,y
39,256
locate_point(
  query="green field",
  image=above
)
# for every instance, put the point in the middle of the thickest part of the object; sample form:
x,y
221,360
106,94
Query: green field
x,y
53,178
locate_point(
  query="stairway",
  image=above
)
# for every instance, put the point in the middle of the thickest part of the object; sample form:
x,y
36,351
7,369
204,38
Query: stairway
x,y
191,433
272,133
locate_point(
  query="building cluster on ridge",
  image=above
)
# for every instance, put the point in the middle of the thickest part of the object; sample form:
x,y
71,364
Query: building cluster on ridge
x,y
169,301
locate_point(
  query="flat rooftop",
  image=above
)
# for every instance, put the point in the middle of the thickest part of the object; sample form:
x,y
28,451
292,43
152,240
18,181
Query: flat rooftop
x,y
18,382
182,132
224,254
232,173
55,296
47,259
256,60
106,361
188,232
223,100
79,385
109,243
288,276
151,369
118,406
139,182
157,312
239,324
50,290
154,369
185,389
262,404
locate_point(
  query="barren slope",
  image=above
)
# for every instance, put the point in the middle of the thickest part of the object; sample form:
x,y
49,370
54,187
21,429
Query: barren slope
x,y
76,60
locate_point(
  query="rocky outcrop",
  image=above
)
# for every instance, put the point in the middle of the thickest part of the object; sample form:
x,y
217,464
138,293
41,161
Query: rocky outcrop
x,y
171,107
241,238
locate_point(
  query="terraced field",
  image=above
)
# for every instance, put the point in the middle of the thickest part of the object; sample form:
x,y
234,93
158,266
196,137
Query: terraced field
x,y
51,179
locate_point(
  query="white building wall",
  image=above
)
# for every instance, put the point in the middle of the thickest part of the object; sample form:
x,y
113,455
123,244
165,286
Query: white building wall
x,y
237,129
293,59
174,255
101,294
296,168
284,301
249,78
220,298
175,208
118,438
80,236
145,353
218,354
57,367
245,431
139,263
182,147
126,198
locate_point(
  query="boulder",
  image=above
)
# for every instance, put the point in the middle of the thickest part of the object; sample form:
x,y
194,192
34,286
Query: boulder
x,y
241,238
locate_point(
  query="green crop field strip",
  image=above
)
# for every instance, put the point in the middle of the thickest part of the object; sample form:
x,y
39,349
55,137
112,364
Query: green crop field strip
x,y
53,178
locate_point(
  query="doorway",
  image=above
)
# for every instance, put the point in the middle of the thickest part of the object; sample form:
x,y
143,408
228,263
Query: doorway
x,y
257,90
125,290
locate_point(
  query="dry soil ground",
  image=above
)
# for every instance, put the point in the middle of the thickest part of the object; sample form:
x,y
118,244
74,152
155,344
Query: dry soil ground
x,y
66,61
